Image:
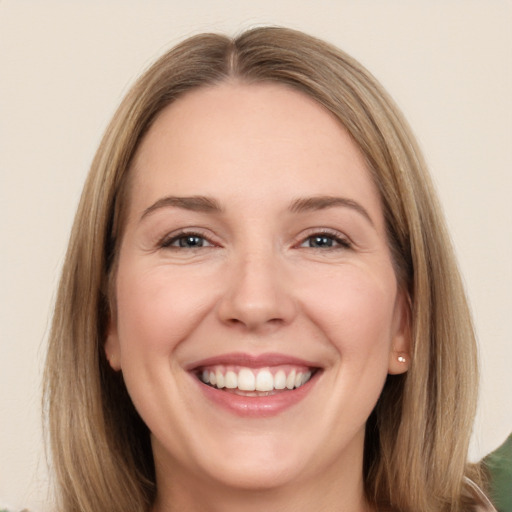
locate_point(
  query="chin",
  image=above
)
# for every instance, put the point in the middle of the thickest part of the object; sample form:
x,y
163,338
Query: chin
x,y
257,475
244,461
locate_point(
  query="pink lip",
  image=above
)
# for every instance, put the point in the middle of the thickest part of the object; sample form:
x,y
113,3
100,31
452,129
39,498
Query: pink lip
x,y
251,361
254,406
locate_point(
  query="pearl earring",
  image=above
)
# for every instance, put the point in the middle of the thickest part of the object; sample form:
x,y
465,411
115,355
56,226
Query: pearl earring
x,y
401,359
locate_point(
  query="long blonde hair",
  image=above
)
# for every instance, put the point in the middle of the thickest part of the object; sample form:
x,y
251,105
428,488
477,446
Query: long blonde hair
x,y
417,437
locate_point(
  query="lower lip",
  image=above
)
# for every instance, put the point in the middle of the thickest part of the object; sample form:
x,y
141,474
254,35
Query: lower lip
x,y
257,406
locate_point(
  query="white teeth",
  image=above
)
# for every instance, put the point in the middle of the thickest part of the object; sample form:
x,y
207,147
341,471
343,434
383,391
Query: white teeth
x,y
231,380
254,380
219,377
246,380
290,380
264,381
280,380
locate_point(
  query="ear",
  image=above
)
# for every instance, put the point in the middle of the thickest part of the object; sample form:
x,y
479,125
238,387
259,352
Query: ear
x,y
112,346
400,352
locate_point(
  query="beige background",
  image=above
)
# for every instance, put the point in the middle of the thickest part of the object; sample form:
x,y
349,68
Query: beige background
x,y
64,67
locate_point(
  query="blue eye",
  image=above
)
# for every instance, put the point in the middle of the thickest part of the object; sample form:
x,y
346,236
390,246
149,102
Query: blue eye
x,y
321,241
325,241
187,241
190,241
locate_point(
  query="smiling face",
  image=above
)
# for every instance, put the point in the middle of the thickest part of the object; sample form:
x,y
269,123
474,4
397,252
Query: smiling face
x,y
258,312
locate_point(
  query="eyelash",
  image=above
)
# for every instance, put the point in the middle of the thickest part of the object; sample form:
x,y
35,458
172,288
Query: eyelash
x,y
340,241
167,242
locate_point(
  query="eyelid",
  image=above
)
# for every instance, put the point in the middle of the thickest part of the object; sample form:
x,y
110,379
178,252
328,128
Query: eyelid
x,y
166,241
341,238
344,241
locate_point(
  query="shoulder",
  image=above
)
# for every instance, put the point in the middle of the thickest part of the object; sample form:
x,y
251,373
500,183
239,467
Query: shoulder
x,y
498,466
483,504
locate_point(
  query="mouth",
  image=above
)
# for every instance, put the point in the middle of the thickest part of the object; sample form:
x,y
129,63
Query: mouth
x,y
246,381
255,386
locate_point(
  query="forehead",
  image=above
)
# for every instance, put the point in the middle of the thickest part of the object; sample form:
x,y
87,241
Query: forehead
x,y
249,140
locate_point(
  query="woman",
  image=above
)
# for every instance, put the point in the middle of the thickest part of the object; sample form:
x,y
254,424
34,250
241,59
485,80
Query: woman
x,y
260,307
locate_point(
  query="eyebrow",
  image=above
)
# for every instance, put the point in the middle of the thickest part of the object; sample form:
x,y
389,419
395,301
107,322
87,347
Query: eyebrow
x,y
300,205
322,202
192,203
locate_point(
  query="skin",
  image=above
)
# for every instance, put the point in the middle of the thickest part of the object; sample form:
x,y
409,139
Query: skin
x,y
257,285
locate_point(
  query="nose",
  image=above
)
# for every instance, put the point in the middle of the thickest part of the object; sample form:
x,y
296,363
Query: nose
x,y
257,295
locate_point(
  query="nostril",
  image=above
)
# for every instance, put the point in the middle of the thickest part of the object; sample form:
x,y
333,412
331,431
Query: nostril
x,y
255,324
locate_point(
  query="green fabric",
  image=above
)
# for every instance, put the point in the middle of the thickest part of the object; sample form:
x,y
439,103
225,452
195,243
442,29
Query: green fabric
x,y
499,465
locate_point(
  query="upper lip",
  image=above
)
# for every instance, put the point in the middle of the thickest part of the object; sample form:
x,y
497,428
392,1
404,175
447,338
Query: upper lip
x,y
251,361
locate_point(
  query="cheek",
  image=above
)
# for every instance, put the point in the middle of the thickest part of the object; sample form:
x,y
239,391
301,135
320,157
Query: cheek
x,y
355,309
157,309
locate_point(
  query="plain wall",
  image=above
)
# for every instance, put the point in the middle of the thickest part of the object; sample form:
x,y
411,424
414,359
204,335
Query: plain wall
x,y
64,67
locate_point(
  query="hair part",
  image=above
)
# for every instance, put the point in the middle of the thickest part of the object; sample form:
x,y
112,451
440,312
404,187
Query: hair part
x,y
417,437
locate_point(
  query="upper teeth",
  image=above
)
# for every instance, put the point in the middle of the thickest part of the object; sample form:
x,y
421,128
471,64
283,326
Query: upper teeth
x,y
246,379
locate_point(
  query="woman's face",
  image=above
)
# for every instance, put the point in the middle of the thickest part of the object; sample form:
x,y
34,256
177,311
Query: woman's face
x,y
254,256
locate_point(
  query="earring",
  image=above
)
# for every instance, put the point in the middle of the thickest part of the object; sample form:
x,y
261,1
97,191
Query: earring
x,y
401,359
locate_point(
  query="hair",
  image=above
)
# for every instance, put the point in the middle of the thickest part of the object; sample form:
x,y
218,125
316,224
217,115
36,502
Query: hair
x,y
415,455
